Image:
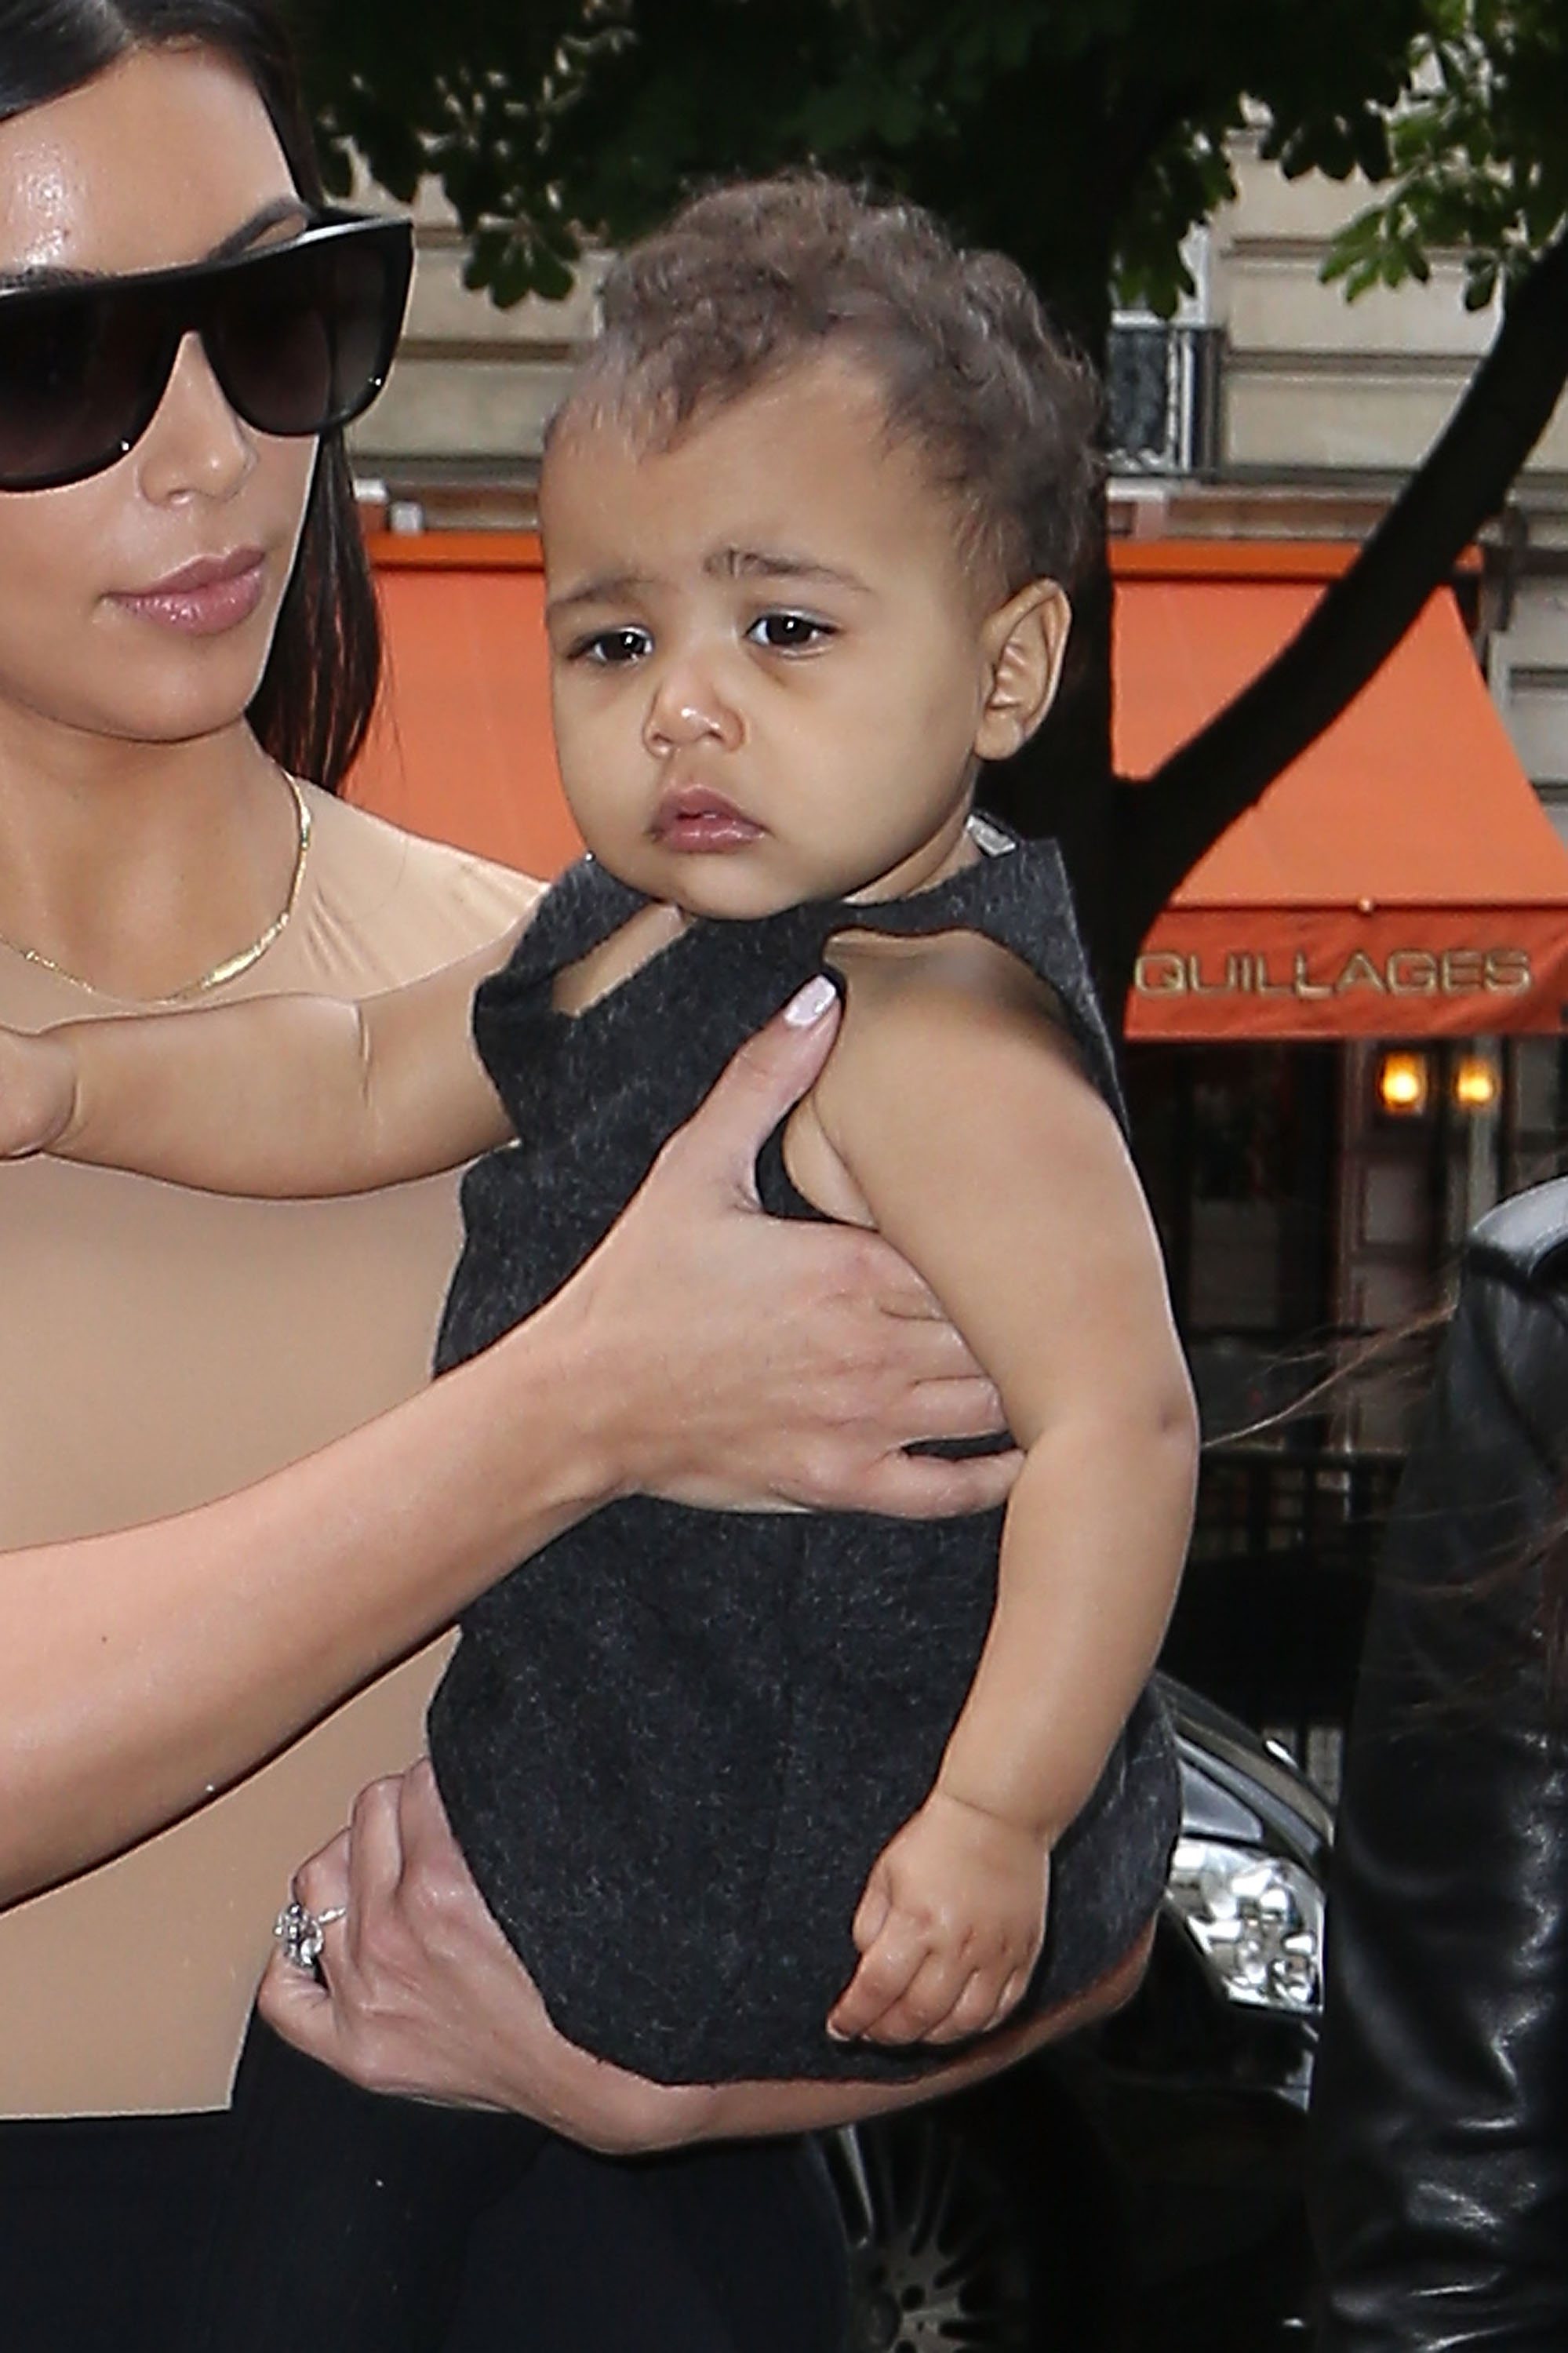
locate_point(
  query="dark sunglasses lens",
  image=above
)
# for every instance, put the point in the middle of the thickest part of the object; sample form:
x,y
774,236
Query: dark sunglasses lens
x,y
302,340
82,372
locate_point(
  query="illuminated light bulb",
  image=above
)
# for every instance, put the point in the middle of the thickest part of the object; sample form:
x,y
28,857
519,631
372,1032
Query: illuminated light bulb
x,y
1402,1084
1475,1084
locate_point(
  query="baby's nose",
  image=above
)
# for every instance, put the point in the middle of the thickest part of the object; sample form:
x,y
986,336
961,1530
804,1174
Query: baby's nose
x,y
687,710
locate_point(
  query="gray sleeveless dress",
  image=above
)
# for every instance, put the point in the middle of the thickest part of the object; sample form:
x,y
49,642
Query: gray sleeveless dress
x,y
672,1744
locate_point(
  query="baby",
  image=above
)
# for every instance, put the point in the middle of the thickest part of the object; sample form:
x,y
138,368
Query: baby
x,y
779,1795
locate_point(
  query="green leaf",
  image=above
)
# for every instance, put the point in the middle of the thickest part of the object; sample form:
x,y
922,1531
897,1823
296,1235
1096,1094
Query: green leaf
x,y
1480,285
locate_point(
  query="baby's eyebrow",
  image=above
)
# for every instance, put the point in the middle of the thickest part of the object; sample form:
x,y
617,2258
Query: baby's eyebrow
x,y
607,588
724,563
776,563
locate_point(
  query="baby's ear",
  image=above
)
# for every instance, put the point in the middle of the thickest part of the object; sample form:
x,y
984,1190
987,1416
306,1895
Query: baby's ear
x,y
1024,642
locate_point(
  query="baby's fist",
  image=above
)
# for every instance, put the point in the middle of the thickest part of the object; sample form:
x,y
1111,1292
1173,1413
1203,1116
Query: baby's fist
x,y
37,1092
948,1928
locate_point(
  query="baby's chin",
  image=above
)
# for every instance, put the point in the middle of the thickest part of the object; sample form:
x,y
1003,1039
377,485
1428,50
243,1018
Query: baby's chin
x,y
732,885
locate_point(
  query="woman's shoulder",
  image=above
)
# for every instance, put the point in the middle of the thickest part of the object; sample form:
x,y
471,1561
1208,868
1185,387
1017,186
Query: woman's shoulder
x,y
1525,1238
382,906
1503,1377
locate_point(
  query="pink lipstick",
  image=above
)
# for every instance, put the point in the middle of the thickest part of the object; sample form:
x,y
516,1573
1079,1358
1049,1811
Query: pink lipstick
x,y
204,598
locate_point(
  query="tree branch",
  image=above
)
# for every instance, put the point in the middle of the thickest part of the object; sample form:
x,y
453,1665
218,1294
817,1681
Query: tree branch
x,y
1165,825
1137,131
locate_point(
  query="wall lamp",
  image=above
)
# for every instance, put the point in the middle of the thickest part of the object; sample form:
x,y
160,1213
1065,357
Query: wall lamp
x,y
1476,1084
1404,1084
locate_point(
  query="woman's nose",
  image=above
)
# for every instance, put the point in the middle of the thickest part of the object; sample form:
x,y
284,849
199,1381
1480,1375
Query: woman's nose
x,y
196,445
688,707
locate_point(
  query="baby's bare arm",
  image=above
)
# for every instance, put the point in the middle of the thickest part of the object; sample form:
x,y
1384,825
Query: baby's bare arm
x,y
957,1107
275,1096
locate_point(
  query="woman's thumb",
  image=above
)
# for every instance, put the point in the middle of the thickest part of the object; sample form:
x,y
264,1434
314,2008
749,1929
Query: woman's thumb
x,y
764,1080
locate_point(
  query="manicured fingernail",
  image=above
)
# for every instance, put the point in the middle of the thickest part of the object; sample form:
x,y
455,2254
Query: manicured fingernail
x,y
807,1007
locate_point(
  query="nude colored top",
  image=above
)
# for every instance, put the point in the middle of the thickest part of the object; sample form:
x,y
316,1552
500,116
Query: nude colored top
x,y
160,1348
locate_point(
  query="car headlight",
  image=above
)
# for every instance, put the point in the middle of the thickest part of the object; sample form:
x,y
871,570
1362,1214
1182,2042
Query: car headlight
x,y
1256,1920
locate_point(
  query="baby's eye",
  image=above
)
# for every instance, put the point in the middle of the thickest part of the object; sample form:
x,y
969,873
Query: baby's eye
x,y
789,633
614,648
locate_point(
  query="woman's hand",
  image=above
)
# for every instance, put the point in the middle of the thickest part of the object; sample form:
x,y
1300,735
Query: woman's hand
x,y
766,1362
420,1994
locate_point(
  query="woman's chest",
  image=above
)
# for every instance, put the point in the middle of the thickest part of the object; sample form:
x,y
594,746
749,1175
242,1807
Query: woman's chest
x,y
160,1347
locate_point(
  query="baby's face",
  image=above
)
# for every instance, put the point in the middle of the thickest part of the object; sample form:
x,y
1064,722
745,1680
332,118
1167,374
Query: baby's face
x,y
771,669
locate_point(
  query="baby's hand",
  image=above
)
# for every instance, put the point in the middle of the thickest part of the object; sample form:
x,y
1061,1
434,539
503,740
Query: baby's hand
x,y
948,1928
37,1092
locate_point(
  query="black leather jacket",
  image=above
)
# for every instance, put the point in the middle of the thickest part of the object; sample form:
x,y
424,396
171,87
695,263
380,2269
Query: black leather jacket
x,y
1440,2149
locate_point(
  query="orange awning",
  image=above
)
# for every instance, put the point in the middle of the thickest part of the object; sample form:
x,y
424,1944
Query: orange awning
x,y
1401,878
460,747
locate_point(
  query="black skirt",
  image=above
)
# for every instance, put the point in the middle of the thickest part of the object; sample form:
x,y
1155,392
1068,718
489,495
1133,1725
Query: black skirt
x,y
103,2224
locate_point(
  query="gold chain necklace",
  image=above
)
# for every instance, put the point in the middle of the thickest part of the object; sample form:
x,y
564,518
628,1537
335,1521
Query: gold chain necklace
x,y
231,967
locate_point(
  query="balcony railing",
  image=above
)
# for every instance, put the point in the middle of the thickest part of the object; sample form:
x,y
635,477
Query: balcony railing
x,y
1270,1617
1163,397
1326,1510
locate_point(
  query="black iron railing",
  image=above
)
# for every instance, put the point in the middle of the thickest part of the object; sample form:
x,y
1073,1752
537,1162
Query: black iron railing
x,y
1274,1602
1162,399
1259,1507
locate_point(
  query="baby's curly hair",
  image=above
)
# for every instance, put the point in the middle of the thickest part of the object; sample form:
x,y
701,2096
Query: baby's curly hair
x,y
752,280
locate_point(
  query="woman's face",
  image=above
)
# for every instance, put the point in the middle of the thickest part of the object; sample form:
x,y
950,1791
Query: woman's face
x,y
160,161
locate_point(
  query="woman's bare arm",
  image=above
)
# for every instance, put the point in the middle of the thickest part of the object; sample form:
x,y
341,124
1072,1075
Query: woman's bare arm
x,y
140,1672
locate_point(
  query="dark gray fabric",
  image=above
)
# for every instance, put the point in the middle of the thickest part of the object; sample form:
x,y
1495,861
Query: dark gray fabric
x,y
674,1744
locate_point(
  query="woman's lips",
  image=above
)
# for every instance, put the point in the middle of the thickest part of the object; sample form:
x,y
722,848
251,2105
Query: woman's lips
x,y
204,598
694,820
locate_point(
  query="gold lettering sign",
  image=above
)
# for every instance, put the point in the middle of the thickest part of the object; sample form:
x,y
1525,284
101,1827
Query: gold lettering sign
x,y
1161,974
1404,972
1359,972
1234,977
1413,971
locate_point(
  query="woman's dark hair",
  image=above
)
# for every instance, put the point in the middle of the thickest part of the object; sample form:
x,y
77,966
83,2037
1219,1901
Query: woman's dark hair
x,y
753,280
314,704
1550,1552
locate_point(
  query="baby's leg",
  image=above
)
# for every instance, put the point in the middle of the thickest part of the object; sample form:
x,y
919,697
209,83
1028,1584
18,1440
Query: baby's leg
x,y
345,2217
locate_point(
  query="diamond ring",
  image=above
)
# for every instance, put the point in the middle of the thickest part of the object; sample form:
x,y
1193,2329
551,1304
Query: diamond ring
x,y
302,1933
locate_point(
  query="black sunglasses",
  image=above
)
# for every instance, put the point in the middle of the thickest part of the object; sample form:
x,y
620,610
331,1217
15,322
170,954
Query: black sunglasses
x,y
300,337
